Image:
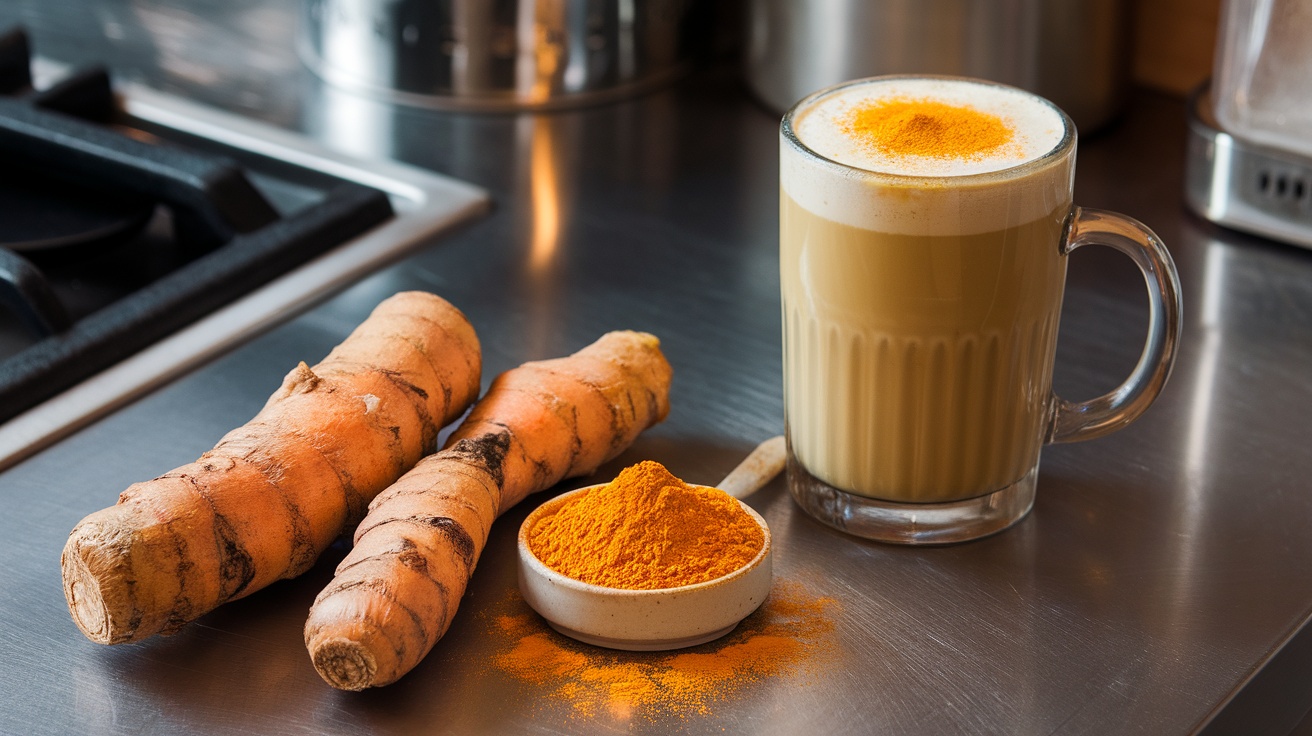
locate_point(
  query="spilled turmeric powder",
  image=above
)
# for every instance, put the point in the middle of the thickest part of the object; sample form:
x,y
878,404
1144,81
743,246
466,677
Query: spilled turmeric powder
x,y
923,127
789,636
647,530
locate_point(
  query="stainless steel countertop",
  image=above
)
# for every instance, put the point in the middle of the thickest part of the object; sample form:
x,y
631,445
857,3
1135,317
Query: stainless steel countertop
x,y
1161,584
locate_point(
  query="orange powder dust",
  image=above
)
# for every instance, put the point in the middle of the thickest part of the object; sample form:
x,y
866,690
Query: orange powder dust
x,y
789,636
912,127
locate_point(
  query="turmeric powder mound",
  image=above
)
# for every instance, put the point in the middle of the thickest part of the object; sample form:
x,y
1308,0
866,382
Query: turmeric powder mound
x,y
912,127
789,636
647,530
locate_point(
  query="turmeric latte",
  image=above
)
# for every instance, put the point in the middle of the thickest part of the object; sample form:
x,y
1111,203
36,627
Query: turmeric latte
x,y
919,227
647,530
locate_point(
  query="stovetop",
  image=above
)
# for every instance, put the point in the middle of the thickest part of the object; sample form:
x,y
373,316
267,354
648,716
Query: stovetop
x,y
157,232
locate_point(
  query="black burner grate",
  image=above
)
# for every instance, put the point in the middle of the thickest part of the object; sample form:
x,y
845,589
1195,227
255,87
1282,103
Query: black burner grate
x,y
222,237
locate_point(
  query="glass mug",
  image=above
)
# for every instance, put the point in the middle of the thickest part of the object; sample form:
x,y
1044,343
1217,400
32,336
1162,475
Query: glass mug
x,y
920,307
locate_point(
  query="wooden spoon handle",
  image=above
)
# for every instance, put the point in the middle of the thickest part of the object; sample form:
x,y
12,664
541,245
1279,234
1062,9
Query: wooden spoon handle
x,y
759,468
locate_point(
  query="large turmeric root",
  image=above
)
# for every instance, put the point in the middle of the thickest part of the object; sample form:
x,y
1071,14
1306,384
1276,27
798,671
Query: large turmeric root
x,y
273,494
396,593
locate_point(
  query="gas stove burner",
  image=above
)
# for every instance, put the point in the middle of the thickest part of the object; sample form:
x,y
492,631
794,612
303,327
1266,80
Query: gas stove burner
x,y
70,179
15,71
85,329
25,291
42,215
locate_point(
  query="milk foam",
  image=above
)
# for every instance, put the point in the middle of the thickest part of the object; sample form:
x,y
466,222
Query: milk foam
x,y
927,195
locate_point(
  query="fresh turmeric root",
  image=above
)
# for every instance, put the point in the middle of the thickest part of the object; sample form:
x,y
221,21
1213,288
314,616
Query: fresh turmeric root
x,y
273,494
396,593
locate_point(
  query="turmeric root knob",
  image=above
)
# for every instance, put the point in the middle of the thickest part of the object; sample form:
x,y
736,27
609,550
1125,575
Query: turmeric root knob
x,y
274,493
396,593
85,600
345,664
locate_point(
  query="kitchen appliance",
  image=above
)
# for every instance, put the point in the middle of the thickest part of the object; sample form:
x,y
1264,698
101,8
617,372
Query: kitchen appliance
x,y
1073,52
145,234
498,54
1249,162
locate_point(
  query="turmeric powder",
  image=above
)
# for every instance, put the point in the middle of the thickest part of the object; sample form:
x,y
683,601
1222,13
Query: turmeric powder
x,y
790,636
647,530
922,127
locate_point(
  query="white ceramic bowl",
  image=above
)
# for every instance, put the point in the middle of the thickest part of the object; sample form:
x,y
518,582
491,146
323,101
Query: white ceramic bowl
x,y
641,620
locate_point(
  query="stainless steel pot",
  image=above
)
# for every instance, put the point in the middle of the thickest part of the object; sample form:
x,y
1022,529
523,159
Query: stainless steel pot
x,y
1074,52
496,54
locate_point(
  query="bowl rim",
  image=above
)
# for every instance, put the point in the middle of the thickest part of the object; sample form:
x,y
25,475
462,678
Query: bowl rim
x,y
558,578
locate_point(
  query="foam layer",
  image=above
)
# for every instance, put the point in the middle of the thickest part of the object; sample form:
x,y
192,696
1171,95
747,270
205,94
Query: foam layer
x,y
1035,126
927,195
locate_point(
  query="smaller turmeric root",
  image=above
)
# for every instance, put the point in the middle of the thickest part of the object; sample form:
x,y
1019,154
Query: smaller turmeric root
x,y
396,593
274,493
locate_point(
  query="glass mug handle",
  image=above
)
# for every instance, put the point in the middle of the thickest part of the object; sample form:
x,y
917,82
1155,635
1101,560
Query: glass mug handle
x,y
1074,422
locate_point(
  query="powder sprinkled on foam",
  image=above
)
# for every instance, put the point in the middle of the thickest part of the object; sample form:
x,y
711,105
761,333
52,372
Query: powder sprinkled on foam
x,y
886,183
925,127
927,118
